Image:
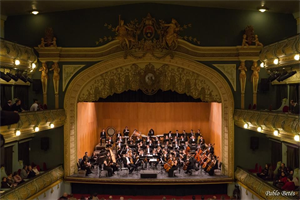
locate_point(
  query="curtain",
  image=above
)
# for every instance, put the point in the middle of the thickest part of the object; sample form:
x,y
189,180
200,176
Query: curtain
x,y
276,152
294,92
6,94
8,157
23,152
21,92
292,157
139,96
281,93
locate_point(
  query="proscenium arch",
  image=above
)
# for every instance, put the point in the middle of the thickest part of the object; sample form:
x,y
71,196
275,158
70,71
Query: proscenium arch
x,y
79,82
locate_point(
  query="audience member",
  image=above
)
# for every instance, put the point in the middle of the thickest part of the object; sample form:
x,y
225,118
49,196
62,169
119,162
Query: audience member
x,y
35,105
264,173
24,172
72,197
11,180
36,171
4,183
64,196
289,185
281,181
31,172
7,106
294,107
17,178
16,107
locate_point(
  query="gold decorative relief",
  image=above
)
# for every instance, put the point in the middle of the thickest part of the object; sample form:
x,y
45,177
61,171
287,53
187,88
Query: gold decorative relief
x,y
149,79
68,72
229,70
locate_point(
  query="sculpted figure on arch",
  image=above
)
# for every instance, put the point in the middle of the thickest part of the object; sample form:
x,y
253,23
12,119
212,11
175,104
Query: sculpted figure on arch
x,y
124,34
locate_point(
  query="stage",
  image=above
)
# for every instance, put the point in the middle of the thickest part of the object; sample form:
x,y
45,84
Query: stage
x,y
123,177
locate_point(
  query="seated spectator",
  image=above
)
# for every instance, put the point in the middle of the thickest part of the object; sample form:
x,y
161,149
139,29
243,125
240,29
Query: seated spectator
x,y
36,171
11,180
294,108
24,172
16,107
35,105
7,106
4,183
95,196
64,196
289,185
281,169
264,173
72,197
281,181
31,172
17,178
82,198
270,173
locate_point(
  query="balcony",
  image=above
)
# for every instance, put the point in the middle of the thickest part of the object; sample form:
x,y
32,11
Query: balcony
x,y
287,125
44,120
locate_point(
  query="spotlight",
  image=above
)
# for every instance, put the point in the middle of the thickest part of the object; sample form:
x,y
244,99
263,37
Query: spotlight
x,y
281,76
297,138
34,12
263,9
262,65
29,80
51,125
15,78
259,129
287,75
276,61
18,132
20,76
36,129
276,132
17,62
4,77
297,57
33,65
273,76
246,125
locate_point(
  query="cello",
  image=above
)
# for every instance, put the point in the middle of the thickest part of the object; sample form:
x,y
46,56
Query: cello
x,y
197,156
168,165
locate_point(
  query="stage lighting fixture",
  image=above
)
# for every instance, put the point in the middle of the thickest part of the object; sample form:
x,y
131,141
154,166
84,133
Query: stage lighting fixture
x,y
276,132
259,129
34,12
246,125
263,9
286,76
22,78
262,65
18,132
297,57
276,61
29,80
17,62
51,125
273,76
281,75
4,77
15,78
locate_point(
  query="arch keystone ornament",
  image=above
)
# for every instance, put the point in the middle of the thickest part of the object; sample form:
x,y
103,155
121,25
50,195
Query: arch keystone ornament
x,y
177,74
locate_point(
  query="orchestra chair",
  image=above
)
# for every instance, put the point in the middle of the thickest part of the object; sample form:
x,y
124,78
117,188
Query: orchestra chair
x,y
254,170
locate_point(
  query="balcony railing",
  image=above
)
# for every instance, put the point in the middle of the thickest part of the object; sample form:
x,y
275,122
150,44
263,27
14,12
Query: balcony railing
x,y
287,125
30,120
35,185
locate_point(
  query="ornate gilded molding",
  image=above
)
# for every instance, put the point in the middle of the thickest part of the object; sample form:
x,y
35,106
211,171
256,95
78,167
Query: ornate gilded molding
x,y
254,79
287,124
86,77
149,78
10,51
190,51
243,77
68,72
229,70
255,184
28,120
30,188
56,77
284,51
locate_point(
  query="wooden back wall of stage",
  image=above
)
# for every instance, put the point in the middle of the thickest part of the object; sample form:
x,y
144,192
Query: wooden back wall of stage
x,y
162,117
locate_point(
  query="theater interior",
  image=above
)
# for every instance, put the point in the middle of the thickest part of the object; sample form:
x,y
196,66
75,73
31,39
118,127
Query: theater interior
x,y
150,100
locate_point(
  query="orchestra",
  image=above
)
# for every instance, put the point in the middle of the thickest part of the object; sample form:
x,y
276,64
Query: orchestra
x,y
172,151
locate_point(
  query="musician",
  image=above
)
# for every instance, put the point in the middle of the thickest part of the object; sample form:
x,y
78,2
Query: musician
x,y
202,142
108,168
108,144
198,134
148,150
109,140
127,149
126,131
182,139
158,144
184,135
210,149
85,165
173,162
192,132
186,145
148,140
192,140
119,144
151,145
170,135
138,139
119,135
85,156
129,163
151,132
191,164
176,146
177,134
102,136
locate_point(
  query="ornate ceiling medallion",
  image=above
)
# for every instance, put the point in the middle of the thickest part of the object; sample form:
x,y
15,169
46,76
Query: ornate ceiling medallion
x,y
150,80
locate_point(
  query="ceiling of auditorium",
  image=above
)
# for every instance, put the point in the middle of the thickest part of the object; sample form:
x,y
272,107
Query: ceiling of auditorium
x,y
11,7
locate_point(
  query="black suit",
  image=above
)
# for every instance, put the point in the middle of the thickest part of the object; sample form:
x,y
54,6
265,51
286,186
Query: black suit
x,y
126,132
102,136
151,132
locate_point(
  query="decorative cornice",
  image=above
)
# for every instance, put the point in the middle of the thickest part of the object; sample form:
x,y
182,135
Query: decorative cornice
x,y
68,72
255,184
193,52
28,120
229,70
32,187
10,51
287,124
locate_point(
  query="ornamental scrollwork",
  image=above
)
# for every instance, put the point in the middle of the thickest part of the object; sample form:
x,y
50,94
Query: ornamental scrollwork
x,y
150,79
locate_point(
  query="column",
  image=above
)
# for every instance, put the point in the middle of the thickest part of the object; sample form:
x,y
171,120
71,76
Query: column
x,y
55,68
254,79
44,80
3,19
243,78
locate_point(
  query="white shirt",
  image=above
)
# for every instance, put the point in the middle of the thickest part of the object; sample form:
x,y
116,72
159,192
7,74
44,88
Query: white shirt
x,y
128,161
34,107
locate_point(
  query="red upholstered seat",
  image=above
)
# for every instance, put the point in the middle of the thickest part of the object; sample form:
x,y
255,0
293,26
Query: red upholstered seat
x,y
254,170
254,107
285,109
